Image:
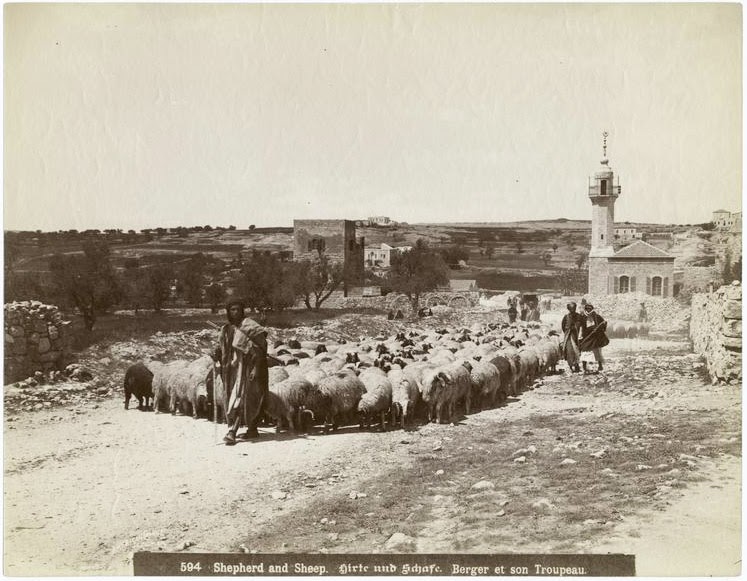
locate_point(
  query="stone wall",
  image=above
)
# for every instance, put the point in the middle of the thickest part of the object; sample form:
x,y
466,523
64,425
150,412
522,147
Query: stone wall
x,y
664,314
716,332
36,339
697,278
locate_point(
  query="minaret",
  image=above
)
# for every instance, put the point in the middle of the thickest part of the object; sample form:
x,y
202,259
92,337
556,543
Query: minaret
x,y
602,193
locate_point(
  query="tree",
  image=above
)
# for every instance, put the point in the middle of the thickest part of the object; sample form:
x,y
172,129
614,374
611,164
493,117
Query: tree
x,y
214,293
736,270
519,247
546,258
417,271
158,285
88,281
267,283
452,255
581,260
489,249
726,271
192,278
318,278
135,283
554,246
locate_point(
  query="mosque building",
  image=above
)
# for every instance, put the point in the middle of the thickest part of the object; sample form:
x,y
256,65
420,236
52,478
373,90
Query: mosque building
x,y
637,267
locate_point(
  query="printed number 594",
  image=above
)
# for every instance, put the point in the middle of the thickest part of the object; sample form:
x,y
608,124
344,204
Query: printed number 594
x,y
189,566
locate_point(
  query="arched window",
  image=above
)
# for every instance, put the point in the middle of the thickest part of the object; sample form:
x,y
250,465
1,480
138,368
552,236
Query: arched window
x,y
624,284
656,286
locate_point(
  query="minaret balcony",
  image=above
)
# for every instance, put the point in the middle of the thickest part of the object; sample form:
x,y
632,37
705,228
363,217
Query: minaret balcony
x,y
611,192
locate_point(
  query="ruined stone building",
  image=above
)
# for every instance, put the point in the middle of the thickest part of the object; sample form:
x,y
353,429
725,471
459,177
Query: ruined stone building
x,y
334,238
637,267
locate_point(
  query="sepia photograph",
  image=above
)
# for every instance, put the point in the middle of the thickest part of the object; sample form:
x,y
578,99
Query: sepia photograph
x,y
381,289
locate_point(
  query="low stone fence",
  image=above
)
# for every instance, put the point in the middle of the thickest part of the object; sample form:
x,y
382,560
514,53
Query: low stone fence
x,y
716,332
36,339
395,301
664,314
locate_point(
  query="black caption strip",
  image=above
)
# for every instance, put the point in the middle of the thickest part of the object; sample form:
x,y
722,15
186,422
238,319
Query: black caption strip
x,y
303,565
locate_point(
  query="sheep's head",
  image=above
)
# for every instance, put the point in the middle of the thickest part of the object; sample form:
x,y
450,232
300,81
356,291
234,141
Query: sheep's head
x,y
467,365
432,385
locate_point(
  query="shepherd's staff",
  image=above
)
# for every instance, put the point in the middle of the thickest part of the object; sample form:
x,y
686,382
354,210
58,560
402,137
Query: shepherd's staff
x,y
215,397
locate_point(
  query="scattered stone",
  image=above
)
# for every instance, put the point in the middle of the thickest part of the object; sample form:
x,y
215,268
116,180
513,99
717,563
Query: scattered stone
x,y
520,459
355,495
641,467
279,495
501,513
568,462
543,505
439,472
188,544
399,542
483,485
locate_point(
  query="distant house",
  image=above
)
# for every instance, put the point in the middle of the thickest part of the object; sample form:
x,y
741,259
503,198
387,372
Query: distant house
x,y
378,257
381,257
379,221
722,219
627,234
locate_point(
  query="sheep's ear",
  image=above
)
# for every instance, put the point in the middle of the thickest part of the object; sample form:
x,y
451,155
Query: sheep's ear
x,y
442,375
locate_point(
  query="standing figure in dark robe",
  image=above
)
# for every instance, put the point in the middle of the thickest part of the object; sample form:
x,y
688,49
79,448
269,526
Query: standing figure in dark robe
x,y
512,312
242,357
569,346
534,313
593,336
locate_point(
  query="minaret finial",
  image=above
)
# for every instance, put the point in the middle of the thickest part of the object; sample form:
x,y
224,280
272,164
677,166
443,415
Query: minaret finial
x,y
604,146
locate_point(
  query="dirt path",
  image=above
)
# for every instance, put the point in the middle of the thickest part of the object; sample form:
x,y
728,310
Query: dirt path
x,y
699,535
86,487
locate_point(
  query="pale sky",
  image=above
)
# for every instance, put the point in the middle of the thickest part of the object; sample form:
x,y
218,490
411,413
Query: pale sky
x,y
132,116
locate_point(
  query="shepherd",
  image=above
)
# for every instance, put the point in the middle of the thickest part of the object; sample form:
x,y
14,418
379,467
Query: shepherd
x,y
242,359
593,337
569,346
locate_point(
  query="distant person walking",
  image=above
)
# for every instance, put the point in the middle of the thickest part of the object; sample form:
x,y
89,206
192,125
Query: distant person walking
x,y
512,312
643,314
593,337
569,346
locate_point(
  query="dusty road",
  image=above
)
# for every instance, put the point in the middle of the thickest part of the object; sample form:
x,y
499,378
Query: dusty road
x,y
655,449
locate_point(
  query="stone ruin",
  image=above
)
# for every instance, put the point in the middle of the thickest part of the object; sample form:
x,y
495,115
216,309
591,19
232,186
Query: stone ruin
x,y
37,339
716,332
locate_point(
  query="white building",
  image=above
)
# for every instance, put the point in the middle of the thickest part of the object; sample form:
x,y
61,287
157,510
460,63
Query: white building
x,y
379,221
627,234
723,219
381,257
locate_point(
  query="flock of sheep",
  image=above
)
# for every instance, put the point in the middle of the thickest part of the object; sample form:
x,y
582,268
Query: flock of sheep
x,y
412,376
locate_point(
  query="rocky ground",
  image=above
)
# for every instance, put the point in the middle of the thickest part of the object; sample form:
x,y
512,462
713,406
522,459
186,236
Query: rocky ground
x,y
623,461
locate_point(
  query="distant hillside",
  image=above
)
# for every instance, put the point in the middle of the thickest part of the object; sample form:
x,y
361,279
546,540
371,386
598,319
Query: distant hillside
x,y
501,255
